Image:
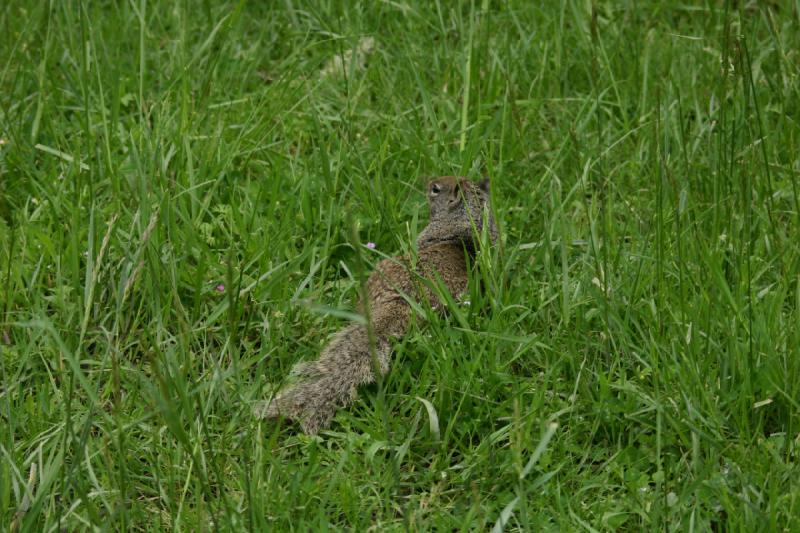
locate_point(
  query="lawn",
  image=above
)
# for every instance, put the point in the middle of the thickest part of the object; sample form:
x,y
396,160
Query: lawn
x,y
186,194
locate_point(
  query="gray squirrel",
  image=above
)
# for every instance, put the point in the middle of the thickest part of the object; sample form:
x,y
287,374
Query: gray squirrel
x,y
459,210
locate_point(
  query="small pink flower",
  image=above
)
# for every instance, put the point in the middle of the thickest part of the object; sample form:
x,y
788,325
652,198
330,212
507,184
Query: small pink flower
x,y
371,245
220,288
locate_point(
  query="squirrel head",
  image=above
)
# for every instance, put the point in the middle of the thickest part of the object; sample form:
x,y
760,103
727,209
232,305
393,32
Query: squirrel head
x,y
459,210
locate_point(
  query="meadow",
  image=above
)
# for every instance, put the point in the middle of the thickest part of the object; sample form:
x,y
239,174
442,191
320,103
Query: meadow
x,y
186,194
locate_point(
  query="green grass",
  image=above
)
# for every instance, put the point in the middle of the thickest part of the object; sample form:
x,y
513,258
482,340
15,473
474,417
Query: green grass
x,y
633,364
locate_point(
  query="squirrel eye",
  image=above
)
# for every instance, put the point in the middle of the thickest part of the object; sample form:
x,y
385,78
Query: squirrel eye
x,y
436,188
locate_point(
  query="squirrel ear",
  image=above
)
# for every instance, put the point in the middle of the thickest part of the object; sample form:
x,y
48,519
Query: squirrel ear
x,y
484,185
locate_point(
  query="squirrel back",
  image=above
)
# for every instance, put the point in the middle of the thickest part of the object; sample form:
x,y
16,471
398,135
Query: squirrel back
x,y
459,212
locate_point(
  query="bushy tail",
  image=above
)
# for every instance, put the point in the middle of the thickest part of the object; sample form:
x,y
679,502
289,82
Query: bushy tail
x,y
331,381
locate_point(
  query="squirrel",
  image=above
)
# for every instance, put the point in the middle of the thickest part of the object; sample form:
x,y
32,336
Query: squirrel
x,y
459,211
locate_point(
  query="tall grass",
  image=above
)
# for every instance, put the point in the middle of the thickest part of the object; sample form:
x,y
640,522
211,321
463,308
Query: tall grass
x,y
183,190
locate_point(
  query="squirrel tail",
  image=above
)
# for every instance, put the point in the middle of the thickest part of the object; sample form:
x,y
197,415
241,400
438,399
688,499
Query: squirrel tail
x,y
332,381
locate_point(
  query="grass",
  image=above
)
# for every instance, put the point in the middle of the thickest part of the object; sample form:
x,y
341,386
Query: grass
x,y
633,364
